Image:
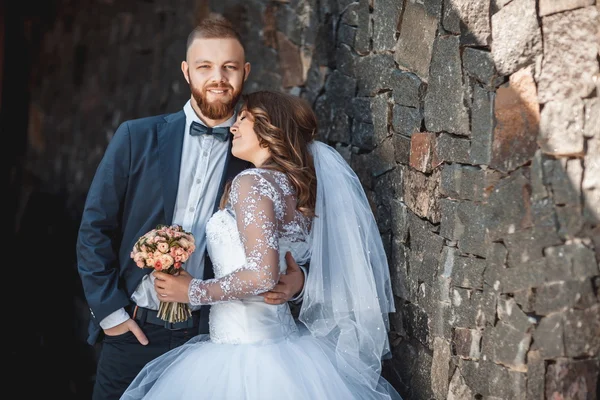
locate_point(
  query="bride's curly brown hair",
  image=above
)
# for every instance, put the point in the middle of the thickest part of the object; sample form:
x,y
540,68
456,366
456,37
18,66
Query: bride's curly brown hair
x,y
286,124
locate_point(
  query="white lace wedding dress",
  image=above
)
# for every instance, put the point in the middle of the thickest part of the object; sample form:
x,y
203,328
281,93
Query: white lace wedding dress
x,y
255,351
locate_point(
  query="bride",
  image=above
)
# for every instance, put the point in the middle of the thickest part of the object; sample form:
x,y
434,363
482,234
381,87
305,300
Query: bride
x,y
301,198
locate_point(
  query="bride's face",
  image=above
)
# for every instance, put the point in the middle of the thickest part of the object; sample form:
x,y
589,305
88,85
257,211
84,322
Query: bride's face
x,y
245,141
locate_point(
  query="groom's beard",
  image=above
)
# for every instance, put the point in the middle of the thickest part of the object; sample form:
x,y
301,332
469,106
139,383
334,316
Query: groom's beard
x,y
217,109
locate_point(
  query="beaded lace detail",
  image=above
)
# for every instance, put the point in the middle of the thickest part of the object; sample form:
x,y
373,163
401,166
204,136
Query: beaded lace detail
x,y
263,202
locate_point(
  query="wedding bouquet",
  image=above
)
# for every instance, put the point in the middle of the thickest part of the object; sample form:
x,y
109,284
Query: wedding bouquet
x,y
165,249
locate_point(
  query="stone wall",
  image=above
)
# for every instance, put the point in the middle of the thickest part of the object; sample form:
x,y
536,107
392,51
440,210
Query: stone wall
x,y
473,125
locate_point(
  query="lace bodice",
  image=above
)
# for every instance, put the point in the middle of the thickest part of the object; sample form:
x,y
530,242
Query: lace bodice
x,y
261,222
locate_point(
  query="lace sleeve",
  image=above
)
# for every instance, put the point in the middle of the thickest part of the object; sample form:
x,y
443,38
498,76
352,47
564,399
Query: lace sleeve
x,y
253,199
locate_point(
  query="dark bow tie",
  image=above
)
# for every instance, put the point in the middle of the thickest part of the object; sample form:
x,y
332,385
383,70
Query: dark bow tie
x,y
220,133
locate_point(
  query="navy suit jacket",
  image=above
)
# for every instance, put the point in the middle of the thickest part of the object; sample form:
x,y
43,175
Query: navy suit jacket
x,y
133,191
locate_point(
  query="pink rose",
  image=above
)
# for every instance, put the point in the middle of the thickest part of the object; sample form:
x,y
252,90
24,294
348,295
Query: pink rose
x,y
163,247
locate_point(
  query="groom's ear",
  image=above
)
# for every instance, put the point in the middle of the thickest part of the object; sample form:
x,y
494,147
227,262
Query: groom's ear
x,y
185,69
246,71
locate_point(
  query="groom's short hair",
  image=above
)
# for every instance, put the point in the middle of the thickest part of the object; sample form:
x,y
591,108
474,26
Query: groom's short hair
x,y
214,27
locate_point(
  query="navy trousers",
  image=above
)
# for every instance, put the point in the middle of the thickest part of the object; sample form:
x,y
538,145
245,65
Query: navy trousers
x,y
122,357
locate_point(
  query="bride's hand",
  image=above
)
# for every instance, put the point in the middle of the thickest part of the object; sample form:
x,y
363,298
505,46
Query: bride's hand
x,y
172,288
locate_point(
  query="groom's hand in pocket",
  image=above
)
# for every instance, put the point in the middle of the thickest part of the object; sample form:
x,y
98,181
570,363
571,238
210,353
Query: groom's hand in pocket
x,y
289,285
128,326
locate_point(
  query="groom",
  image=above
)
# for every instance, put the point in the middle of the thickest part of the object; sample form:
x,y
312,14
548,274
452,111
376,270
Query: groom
x,y
167,169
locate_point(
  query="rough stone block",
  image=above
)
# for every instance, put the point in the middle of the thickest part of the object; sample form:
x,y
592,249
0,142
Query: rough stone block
x,y
536,371
570,261
572,379
458,389
516,36
421,193
380,110
421,379
383,160
570,55
529,244
350,10
482,126
415,42
473,240
517,116
399,220
467,272
480,65
346,35
591,176
423,155
444,102
548,7
561,128
399,270
511,314
525,299
360,109
426,249
468,308
402,146
548,337
538,188
363,135
290,62
592,118
570,221
386,16
466,343
362,42
416,323
529,275
440,368
374,73
453,149
508,208
565,191
361,164
506,346
406,120
450,225
582,332
489,379
474,21
407,88
345,60
559,296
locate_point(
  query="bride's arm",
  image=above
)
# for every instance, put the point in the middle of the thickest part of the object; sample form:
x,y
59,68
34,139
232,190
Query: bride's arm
x,y
252,198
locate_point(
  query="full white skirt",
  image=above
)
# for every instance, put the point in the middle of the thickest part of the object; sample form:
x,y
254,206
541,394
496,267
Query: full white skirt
x,y
299,367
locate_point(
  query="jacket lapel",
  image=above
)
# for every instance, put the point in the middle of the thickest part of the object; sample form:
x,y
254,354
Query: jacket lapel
x,y
170,144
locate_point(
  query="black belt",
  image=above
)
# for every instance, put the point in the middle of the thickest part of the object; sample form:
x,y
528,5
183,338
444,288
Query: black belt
x,y
146,316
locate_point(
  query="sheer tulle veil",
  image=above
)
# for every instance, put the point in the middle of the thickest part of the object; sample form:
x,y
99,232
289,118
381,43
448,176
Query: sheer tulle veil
x,y
348,293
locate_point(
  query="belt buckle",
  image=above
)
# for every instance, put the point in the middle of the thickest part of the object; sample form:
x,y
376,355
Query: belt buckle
x,y
171,326
174,326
